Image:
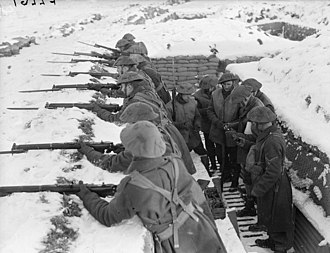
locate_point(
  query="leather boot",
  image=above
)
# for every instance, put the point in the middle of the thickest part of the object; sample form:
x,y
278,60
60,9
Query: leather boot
x,y
248,210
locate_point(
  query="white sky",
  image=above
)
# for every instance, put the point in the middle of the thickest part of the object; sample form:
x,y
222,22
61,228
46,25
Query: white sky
x,y
301,69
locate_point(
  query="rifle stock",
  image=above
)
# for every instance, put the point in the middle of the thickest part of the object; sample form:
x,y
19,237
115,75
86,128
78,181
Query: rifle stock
x,y
102,190
94,74
58,87
88,106
99,146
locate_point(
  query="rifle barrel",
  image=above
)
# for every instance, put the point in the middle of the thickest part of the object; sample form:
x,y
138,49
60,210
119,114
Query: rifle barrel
x,y
65,145
102,190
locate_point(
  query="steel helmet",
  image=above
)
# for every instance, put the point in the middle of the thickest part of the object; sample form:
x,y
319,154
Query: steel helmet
x,y
143,139
240,93
252,83
129,37
261,114
227,77
207,82
186,88
136,112
128,77
124,61
122,43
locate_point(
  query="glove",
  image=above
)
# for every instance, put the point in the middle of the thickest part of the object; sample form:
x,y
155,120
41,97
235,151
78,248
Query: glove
x,y
83,190
96,108
84,148
240,141
94,86
118,148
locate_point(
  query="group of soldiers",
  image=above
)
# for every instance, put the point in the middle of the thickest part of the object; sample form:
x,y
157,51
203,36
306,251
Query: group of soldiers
x,y
241,137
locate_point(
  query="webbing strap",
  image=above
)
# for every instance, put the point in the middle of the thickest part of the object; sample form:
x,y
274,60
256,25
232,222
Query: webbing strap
x,y
174,199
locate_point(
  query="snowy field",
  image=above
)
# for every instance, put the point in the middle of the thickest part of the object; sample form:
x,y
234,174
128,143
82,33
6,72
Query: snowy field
x,y
46,222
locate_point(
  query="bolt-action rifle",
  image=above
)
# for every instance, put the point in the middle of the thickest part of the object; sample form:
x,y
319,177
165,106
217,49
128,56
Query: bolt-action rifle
x,y
76,60
116,51
94,74
87,106
102,190
87,86
98,146
92,54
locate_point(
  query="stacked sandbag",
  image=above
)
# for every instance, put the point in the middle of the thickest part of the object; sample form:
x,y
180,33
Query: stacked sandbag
x,y
180,69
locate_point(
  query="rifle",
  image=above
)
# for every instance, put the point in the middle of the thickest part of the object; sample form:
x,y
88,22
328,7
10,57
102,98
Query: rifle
x,y
98,146
92,54
75,60
88,106
94,74
116,51
102,190
95,86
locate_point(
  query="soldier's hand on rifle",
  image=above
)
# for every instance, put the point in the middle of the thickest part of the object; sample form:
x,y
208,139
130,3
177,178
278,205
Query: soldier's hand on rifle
x,y
83,190
118,148
240,141
84,148
94,86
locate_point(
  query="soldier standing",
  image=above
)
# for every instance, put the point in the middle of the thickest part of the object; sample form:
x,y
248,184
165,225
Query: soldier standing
x,y
186,118
272,187
203,96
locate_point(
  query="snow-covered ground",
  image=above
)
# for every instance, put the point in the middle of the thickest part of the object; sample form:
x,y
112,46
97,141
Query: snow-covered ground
x,y
27,221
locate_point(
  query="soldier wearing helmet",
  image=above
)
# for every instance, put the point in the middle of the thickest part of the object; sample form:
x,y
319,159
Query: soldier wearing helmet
x,y
271,187
256,86
144,67
133,113
203,97
222,111
160,192
185,116
128,46
134,88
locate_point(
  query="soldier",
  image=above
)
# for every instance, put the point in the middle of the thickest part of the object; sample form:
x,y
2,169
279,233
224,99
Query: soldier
x,y
135,112
144,66
220,111
256,86
159,192
272,187
186,118
130,38
134,88
203,96
125,64
130,47
242,96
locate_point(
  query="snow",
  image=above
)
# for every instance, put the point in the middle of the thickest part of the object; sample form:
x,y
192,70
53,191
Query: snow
x,y
299,69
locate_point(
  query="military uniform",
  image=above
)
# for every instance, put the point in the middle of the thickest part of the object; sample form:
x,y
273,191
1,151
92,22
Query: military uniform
x,y
167,199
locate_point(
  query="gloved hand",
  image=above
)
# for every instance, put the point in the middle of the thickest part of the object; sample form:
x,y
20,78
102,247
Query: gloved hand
x,y
96,108
84,148
118,148
83,190
94,86
230,125
240,141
